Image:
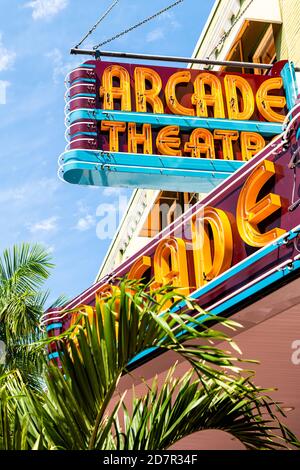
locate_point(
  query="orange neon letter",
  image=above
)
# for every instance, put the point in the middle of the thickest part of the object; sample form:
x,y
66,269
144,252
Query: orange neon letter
x,y
166,141
232,84
111,92
250,212
170,264
114,127
144,95
139,268
201,142
227,137
266,102
209,264
135,139
202,99
170,93
251,143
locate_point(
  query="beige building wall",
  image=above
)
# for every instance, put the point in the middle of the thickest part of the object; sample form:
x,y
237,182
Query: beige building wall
x,y
288,43
228,16
127,240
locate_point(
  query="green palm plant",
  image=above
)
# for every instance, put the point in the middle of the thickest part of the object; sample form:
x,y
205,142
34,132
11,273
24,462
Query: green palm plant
x,y
73,411
23,270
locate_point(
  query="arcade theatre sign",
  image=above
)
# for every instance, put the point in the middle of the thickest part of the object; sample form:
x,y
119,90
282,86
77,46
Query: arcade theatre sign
x,y
167,128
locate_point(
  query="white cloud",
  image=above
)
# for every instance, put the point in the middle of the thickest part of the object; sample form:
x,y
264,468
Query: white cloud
x,y
45,225
32,191
46,9
170,18
12,194
82,206
7,57
60,68
85,223
49,248
155,35
111,191
168,22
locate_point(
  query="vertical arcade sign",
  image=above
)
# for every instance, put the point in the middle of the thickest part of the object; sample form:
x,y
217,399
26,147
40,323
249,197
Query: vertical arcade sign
x,y
168,128
238,243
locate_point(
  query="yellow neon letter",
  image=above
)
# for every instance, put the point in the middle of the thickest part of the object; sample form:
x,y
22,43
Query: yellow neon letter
x,y
139,268
232,84
251,143
135,139
170,265
108,290
196,148
144,95
266,102
250,212
85,310
114,127
209,264
166,143
170,93
202,99
227,138
111,92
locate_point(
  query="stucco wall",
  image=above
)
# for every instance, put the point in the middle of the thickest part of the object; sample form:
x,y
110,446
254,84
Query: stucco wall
x,y
288,40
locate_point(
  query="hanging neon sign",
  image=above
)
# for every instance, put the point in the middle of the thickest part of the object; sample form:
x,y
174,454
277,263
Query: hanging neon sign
x,y
128,122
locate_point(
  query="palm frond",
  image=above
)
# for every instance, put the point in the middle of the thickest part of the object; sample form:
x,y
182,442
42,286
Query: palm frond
x,y
73,410
13,426
25,266
23,269
183,406
59,302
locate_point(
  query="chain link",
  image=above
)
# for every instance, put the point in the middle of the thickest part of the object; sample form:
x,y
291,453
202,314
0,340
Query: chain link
x,y
97,23
137,25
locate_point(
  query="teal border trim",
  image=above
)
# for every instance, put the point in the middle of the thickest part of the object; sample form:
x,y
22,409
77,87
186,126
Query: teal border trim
x,y
233,301
84,65
288,76
259,286
159,162
53,355
53,326
99,168
80,80
185,123
79,95
93,134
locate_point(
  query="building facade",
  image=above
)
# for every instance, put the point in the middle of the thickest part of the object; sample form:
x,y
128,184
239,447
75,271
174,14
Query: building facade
x,y
257,282
236,30
246,31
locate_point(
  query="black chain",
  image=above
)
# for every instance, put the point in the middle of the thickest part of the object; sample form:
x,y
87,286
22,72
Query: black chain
x,y
96,24
137,25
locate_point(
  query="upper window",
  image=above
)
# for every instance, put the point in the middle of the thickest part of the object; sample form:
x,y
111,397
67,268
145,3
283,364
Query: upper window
x,y
254,43
266,51
168,206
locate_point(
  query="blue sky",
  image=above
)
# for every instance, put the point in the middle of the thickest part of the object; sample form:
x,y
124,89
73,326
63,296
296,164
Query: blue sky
x,y
35,38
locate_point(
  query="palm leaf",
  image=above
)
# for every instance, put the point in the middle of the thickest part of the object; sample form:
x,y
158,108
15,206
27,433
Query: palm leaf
x,y
25,266
73,411
182,406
